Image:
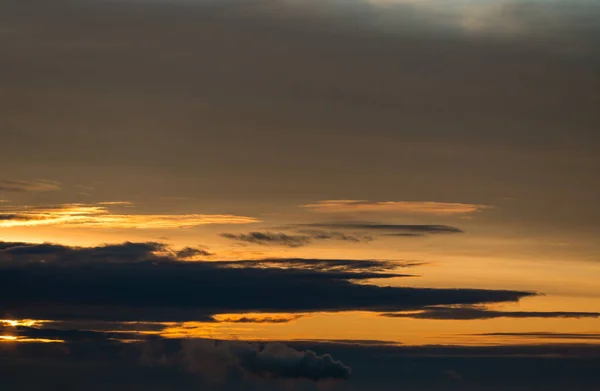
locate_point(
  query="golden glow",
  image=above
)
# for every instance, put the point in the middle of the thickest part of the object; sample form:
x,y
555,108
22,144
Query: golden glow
x,y
98,216
12,338
22,322
425,207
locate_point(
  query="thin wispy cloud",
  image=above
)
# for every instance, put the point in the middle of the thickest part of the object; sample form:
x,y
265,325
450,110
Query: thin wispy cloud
x,y
389,229
99,216
420,207
482,313
307,237
257,318
545,335
28,186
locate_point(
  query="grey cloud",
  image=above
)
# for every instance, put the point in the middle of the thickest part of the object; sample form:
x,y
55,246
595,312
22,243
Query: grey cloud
x,y
268,360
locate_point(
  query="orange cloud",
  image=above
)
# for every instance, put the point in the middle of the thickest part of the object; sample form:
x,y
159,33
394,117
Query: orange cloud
x,y
98,216
424,207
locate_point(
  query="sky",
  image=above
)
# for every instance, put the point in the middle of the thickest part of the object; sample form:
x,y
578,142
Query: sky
x,y
299,195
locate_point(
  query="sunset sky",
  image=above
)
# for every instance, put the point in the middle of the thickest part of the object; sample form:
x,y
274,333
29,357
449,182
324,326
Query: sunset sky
x,y
300,195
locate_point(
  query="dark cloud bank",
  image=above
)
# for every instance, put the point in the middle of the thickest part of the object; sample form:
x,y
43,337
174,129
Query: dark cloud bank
x,y
145,281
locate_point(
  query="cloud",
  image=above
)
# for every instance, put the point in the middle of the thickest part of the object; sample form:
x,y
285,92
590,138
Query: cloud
x,y
419,207
481,313
283,239
215,359
48,253
268,238
29,186
191,252
99,216
144,282
256,318
338,265
390,229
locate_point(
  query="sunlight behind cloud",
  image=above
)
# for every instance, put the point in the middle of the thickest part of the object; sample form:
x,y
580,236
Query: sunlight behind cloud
x,y
98,216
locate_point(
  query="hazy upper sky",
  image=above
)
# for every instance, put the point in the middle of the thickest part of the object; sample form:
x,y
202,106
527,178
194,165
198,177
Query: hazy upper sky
x,y
373,172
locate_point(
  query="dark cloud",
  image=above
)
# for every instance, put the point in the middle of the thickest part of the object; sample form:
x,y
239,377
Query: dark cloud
x,y
479,313
342,265
130,282
392,229
269,360
191,252
283,239
21,252
324,235
262,319
28,186
269,238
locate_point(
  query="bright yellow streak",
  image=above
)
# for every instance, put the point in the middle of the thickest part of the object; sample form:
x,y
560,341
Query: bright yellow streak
x,y
98,216
12,338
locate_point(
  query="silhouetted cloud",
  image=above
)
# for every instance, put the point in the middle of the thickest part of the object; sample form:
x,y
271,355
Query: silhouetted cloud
x,y
268,238
28,186
21,253
391,229
256,319
143,281
191,252
283,239
341,265
478,313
